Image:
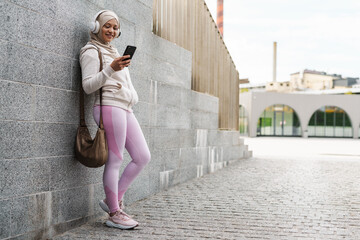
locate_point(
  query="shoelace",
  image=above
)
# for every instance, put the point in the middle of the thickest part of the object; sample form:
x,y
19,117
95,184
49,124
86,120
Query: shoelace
x,y
122,215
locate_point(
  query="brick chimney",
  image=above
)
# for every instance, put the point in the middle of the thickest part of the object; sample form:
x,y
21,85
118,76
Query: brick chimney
x,y
219,17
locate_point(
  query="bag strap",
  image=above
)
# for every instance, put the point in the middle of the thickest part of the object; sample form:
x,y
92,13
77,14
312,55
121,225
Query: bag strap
x,y
82,114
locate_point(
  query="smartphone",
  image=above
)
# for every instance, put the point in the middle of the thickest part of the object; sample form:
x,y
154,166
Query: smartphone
x,y
130,50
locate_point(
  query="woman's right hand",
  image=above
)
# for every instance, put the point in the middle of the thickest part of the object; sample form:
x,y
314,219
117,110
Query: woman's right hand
x,y
120,63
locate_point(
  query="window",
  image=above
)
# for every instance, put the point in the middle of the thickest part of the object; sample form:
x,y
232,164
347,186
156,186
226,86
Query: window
x,y
330,121
278,120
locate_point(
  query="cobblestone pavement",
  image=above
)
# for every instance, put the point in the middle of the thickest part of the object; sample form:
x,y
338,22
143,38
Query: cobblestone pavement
x,y
296,197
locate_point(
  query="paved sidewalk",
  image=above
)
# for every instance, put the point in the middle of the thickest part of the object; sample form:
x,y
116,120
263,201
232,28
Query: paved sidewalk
x,y
267,197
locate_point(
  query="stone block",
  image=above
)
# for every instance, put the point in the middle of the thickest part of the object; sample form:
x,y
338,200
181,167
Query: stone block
x,y
47,8
70,12
54,105
8,21
16,101
82,36
76,79
5,216
133,11
31,213
16,139
164,160
142,111
141,84
168,95
5,49
204,120
193,156
187,138
204,102
88,105
23,176
38,67
54,139
220,137
99,194
186,98
71,204
165,72
148,3
171,117
127,38
67,172
162,138
185,174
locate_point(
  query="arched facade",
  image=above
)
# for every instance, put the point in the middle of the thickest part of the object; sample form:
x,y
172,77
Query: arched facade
x,y
330,121
278,120
303,104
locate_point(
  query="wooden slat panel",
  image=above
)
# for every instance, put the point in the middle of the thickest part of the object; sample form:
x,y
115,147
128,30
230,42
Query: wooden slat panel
x,y
188,23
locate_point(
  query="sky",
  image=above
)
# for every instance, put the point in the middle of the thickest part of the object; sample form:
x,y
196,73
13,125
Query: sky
x,y
322,35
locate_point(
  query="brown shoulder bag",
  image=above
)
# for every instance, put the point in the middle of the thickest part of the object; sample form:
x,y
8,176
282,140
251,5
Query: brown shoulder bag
x,y
91,152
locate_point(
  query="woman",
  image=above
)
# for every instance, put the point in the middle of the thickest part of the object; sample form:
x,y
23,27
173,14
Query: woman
x,y
121,127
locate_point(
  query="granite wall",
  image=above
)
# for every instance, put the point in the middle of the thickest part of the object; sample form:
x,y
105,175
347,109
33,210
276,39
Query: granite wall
x,y
44,191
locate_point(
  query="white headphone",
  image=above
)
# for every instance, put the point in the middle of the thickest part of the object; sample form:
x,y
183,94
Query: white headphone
x,y
95,25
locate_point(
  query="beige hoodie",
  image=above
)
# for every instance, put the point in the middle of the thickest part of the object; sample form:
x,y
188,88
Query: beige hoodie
x,y
92,80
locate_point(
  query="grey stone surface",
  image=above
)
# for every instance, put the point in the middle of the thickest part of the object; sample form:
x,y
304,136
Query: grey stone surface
x,y
16,139
8,21
133,11
148,3
171,117
54,139
54,105
23,176
40,67
216,138
168,95
49,192
5,48
71,204
162,49
75,75
16,101
164,160
187,138
204,120
204,102
164,138
65,171
165,72
47,8
142,112
264,198
71,12
141,84
5,216
30,213
127,38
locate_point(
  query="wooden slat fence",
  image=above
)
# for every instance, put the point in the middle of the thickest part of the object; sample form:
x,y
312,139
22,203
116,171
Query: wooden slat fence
x,y
189,24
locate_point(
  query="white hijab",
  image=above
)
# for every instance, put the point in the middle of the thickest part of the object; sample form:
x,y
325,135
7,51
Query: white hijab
x,y
97,40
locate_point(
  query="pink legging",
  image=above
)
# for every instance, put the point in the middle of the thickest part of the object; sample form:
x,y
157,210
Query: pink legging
x,y
122,130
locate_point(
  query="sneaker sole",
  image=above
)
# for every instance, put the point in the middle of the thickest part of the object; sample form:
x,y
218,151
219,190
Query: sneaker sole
x,y
104,206
115,225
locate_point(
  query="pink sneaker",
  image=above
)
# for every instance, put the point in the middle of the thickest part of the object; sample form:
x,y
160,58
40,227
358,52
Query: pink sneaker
x,y
105,207
121,220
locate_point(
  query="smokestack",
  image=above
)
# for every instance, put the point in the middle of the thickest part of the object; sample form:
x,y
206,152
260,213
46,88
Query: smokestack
x,y
274,62
219,17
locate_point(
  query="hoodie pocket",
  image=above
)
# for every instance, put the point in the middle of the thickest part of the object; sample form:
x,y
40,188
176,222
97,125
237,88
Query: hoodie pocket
x,y
111,86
